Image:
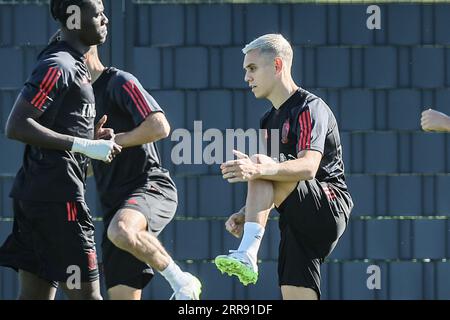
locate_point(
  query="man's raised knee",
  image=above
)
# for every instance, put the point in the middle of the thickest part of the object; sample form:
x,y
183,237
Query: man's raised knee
x,y
120,235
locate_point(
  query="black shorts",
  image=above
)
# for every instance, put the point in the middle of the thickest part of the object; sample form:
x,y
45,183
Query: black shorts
x,y
312,218
49,238
158,205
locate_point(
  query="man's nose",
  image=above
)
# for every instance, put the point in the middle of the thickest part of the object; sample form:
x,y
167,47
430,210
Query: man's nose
x,y
105,19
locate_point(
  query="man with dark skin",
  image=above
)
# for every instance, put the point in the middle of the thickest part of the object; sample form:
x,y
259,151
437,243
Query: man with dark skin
x,y
53,234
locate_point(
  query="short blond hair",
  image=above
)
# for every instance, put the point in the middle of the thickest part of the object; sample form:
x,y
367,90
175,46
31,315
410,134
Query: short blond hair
x,y
274,44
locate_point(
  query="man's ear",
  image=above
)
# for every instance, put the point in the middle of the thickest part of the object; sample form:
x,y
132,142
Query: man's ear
x,y
278,64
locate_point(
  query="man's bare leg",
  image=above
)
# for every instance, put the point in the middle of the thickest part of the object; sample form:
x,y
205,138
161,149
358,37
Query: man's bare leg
x,y
281,191
128,231
87,291
262,194
298,293
261,197
122,292
34,288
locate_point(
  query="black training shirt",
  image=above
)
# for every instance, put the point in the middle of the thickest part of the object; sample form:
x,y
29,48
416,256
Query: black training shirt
x,y
305,122
127,104
60,87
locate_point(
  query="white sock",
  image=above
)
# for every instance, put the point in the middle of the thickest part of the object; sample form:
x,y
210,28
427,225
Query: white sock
x,y
251,240
174,275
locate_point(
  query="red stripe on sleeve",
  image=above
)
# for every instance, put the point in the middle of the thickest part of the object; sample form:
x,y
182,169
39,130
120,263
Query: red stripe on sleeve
x,y
309,129
305,130
299,145
42,86
48,89
139,99
128,88
47,75
68,210
144,103
74,211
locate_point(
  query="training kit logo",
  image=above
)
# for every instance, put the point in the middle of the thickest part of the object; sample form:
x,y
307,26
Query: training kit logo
x,y
88,110
132,201
215,147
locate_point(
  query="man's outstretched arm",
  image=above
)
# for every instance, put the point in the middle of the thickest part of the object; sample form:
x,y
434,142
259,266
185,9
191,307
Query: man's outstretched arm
x,y
22,126
243,169
303,168
153,128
